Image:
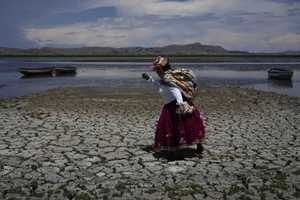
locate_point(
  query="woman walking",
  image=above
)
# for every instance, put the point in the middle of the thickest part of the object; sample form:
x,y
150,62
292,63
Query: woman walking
x,y
180,123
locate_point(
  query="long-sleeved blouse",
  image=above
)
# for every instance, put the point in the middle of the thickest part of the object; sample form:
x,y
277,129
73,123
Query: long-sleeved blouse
x,y
168,94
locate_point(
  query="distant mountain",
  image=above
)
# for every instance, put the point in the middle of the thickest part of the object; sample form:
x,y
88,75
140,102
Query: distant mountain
x,y
290,53
239,52
189,49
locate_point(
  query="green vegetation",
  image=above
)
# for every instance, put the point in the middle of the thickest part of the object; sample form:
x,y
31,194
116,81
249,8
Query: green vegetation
x,y
244,197
245,181
105,190
297,194
280,177
69,194
278,183
83,196
36,194
179,192
297,172
262,196
237,189
115,194
172,192
17,190
120,186
151,191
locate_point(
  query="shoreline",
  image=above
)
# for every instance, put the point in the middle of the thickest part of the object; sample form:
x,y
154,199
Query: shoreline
x,y
96,142
173,58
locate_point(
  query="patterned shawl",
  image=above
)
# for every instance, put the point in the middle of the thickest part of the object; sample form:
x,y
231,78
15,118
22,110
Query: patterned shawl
x,y
183,79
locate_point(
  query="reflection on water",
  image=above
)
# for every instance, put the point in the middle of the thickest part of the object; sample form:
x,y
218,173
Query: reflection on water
x,y
36,76
230,74
47,76
280,83
107,73
64,75
290,88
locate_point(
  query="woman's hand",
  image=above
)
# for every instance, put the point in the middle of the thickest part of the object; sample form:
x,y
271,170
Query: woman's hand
x,y
181,109
145,76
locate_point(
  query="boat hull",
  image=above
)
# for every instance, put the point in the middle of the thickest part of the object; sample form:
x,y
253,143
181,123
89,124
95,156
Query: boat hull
x,y
64,70
282,74
35,71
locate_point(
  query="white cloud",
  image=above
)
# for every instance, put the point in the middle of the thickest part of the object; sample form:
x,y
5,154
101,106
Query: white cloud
x,y
254,26
106,32
288,42
151,7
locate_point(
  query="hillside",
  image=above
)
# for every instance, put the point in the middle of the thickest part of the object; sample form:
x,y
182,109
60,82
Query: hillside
x,y
189,49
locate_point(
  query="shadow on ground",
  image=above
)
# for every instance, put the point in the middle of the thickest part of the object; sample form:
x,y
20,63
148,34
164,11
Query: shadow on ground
x,y
179,154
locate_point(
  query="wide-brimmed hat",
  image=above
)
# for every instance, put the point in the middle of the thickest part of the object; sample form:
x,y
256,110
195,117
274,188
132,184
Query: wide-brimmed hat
x,y
159,62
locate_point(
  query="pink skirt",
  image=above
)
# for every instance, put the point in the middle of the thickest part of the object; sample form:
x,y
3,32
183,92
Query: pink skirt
x,y
175,131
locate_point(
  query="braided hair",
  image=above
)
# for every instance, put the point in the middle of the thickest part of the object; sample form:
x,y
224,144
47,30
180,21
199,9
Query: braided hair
x,y
167,66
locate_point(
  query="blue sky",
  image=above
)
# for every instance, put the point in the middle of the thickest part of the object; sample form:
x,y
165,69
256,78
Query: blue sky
x,y
245,25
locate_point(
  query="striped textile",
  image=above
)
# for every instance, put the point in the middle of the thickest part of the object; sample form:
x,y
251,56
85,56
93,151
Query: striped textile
x,y
184,79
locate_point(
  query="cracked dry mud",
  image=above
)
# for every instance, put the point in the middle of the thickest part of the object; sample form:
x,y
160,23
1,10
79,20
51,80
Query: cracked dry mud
x,y
96,143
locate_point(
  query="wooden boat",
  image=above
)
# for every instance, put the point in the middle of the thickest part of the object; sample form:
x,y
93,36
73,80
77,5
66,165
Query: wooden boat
x,y
280,73
64,70
36,71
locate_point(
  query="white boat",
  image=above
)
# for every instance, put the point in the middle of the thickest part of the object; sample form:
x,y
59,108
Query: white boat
x,y
280,73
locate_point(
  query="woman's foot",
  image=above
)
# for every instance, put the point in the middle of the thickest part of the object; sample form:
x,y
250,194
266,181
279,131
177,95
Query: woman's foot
x,y
200,148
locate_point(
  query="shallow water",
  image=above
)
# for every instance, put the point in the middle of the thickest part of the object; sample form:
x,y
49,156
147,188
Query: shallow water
x,y
240,73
